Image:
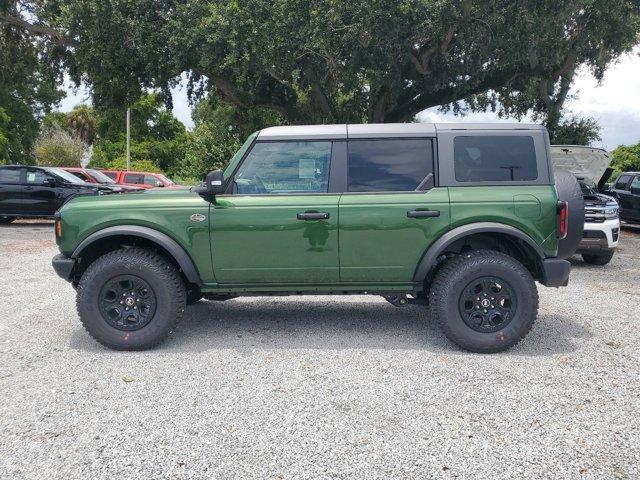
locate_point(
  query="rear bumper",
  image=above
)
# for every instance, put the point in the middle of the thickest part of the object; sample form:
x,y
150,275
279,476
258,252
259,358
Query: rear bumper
x,y
555,272
63,266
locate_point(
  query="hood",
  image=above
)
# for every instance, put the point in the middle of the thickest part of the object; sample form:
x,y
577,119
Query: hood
x,y
588,164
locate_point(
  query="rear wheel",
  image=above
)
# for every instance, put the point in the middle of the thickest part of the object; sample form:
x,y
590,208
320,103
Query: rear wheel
x,y
484,301
6,219
130,299
598,258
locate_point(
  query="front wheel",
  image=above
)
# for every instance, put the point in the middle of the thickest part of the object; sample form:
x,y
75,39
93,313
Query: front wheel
x,y
484,301
598,258
130,299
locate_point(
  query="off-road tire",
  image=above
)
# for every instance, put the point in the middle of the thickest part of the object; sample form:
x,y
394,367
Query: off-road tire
x,y
159,273
598,258
5,219
452,279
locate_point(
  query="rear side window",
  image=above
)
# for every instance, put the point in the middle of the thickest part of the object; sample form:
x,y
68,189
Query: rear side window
x,y
390,165
133,178
494,158
10,175
622,182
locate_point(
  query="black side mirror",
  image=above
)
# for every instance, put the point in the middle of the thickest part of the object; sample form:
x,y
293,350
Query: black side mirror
x,y
213,185
49,182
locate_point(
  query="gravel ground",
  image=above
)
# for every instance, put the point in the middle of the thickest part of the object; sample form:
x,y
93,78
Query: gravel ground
x,y
317,387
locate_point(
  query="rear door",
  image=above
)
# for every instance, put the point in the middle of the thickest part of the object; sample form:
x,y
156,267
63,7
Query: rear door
x,y
11,190
391,210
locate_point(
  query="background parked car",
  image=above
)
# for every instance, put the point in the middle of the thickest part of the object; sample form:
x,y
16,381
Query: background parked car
x,y
91,175
627,190
39,191
140,179
602,222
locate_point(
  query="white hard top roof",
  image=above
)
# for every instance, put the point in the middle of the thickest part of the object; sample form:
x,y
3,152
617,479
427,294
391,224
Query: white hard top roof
x,y
376,130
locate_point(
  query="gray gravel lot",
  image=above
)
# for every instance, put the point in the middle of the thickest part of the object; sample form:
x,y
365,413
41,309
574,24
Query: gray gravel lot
x,y
317,387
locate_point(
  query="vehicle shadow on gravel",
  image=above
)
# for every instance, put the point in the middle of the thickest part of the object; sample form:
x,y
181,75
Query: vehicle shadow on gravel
x,y
283,323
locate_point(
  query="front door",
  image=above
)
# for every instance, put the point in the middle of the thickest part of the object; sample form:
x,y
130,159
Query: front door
x,y
279,223
41,193
391,212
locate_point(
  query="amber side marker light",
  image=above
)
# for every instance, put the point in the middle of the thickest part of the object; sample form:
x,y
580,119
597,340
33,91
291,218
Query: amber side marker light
x,y
58,225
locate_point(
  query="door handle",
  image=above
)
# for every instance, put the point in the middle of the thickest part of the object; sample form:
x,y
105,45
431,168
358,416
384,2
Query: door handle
x,y
313,216
28,189
423,213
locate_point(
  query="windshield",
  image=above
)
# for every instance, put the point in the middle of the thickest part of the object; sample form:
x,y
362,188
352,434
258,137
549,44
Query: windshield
x,y
66,176
100,177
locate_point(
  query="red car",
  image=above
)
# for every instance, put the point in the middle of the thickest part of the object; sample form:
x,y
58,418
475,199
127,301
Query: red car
x,y
91,175
140,179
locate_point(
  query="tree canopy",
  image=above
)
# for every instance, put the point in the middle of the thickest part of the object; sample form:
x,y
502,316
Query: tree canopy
x,y
335,61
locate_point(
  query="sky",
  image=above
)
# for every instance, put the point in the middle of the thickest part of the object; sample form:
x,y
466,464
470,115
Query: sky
x,y
614,102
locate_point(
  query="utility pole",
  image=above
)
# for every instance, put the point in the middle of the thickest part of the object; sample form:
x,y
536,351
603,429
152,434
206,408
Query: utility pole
x,y
128,139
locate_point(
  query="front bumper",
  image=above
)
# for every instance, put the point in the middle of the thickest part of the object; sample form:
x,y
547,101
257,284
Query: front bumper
x,y
63,266
600,236
555,272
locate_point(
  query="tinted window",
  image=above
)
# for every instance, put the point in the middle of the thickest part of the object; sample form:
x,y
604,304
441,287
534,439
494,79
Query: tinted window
x,y
37,177
133,178
111,175
494,159
285,167
389,165
80,175
635,183
10,175
622,182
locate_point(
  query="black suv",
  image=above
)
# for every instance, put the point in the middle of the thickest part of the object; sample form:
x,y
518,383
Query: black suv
x,y
27,191
626,190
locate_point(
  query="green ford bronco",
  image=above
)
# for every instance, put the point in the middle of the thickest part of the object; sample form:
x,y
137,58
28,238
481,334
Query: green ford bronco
x,y
462,218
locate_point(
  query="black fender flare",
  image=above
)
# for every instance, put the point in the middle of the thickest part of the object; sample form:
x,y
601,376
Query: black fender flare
x,y
429,259
178,253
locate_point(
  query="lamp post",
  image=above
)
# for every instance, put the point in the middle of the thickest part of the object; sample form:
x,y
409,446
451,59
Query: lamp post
x,y
128,139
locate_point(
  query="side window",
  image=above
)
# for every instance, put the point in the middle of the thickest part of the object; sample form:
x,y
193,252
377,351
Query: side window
x,y
622,182
150,180
80,175
494,158
285,168
390,165
111,175
36,177
10,175
133,178
635,183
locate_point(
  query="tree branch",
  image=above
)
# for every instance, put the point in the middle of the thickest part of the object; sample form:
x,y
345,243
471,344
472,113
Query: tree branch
x,y
39,30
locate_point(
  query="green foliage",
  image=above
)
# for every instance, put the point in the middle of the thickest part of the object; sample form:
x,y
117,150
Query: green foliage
x,y
334,61
120,163
210,147
27,88
57,148
157,137
4,137
626,158
575,131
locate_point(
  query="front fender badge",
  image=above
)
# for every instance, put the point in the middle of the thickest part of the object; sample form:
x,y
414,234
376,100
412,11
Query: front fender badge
x,y
197,217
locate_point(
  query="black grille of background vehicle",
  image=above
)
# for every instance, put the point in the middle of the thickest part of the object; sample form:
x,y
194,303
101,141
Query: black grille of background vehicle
x,y
593,234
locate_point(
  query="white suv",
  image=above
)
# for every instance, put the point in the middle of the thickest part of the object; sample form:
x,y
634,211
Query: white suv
x,y
602,221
